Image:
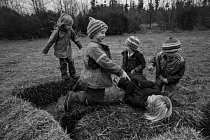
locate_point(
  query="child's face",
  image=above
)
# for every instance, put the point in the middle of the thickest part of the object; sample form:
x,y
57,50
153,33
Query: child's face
x,y
100,35
67,27
128,49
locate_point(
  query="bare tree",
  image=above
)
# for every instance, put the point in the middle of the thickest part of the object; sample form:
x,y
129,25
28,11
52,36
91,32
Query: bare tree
x,y
84,6
4,3
38,6
69,6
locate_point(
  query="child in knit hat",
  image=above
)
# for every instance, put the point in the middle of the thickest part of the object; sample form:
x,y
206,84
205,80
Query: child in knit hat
x,y
133,60
61,37
169,64
98,67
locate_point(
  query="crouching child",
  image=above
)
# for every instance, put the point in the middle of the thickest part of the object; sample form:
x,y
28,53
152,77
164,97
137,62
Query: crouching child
x,y
170,66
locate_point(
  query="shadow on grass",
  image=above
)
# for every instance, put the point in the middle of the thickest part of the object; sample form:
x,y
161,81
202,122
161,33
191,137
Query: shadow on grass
x,y
43,93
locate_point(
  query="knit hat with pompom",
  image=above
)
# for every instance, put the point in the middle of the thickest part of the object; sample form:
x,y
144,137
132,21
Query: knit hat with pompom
x,y
132,42
95,26
171,45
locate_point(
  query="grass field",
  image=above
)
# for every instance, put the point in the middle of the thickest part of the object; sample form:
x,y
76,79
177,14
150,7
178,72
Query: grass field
x,y
21,63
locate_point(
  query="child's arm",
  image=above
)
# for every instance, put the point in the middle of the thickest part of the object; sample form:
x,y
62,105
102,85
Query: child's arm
x,y
75,39
103,60
153,61
50,42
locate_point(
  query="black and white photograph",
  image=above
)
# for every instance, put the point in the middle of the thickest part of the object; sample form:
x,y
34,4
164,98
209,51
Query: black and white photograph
x,y
104,69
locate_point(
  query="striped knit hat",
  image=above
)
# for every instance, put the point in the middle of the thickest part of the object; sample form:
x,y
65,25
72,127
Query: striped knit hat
x,y
95,26
65,19
132,42
171,45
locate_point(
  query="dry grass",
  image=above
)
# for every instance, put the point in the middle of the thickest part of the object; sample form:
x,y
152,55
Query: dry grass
x,y
21,121
21,61
124,122
183,133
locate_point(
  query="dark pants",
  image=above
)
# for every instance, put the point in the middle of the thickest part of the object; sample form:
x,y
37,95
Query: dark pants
x,y
90,97
136,97
64,62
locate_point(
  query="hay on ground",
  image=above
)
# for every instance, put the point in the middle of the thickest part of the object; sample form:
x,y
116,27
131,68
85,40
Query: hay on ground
x,y
206,125
19,120
183,133
123,122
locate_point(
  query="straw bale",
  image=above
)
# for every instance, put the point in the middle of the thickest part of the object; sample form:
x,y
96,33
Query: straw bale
x,y
206,125
19,120
183,133
123,122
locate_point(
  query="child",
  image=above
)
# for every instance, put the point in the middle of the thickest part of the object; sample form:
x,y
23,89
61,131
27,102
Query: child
x,y
170,66
98,67
61,37
133,60
137,90
143,94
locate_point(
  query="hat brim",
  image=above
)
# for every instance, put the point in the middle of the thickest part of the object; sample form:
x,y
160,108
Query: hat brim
x,y
170,51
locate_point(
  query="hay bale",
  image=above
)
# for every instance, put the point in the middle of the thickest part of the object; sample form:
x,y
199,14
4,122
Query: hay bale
x,y
43,91
19,120
206,125
123,122
111,122
183,133
190,108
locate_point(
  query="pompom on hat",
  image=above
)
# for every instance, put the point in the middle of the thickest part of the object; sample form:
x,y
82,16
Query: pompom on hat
x,y
171,45
158,107
132,42
65,19
95,26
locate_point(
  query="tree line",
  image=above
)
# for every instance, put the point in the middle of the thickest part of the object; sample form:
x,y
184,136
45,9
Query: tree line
x,y
15,23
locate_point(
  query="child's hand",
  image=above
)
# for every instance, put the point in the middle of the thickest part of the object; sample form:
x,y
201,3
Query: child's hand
x,y
133,71
124,75
44,54
164,80
150,68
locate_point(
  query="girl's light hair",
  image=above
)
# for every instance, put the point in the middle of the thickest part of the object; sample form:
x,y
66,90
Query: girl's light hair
x,y
158,107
